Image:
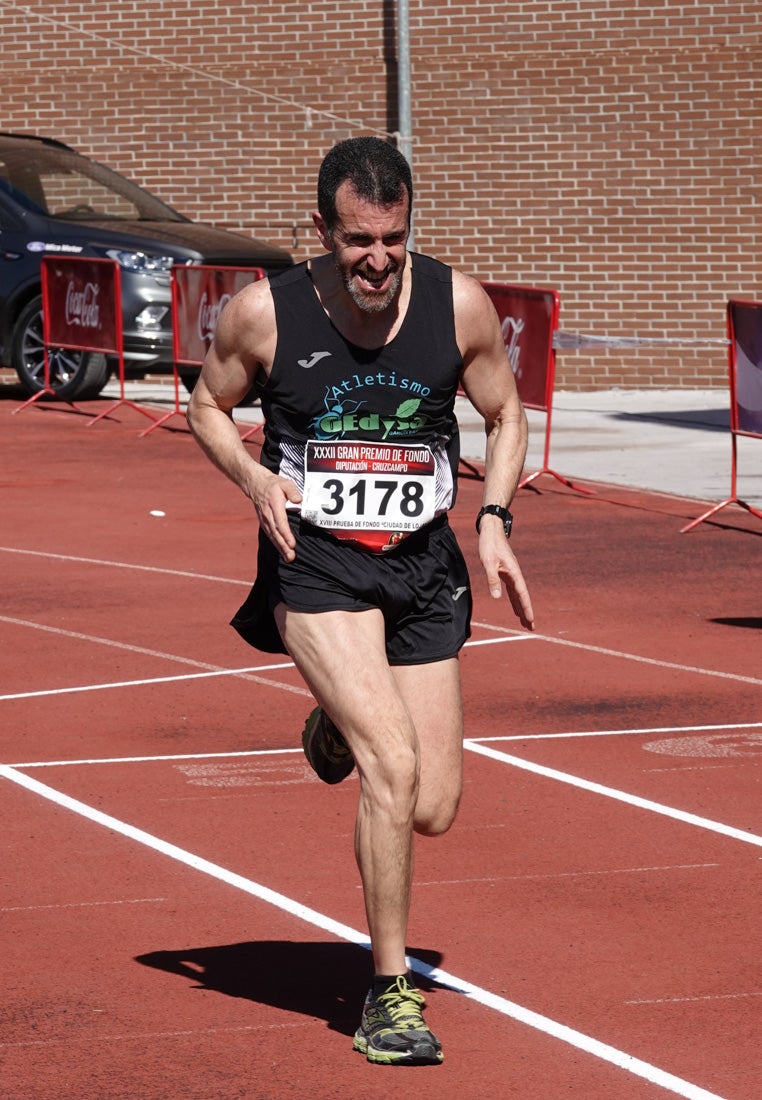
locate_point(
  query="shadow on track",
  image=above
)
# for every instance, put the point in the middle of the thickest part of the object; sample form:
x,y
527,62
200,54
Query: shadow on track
x,y
324,980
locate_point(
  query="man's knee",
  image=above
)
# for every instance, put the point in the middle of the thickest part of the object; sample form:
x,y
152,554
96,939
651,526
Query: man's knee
x,y
391,780
436,820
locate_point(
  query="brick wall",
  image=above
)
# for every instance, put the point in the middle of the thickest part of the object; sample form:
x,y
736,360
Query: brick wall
x,y
600,147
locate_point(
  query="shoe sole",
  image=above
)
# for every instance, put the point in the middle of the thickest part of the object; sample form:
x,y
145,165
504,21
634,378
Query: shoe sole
x,y
384,1058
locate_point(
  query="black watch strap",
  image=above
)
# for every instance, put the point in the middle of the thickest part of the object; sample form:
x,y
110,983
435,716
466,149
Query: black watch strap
x,y
496,510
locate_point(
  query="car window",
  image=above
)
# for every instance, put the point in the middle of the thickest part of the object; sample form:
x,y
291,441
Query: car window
x,y
9,217
63,184
72,195
8,188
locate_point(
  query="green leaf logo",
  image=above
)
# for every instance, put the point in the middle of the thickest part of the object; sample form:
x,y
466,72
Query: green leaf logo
x,y
407,408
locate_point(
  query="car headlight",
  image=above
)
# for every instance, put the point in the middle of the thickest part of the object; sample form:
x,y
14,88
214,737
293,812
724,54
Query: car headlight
x,y
141,262
151,317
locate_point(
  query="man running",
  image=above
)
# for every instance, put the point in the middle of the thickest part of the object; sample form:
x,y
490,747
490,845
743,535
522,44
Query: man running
x,y
358,354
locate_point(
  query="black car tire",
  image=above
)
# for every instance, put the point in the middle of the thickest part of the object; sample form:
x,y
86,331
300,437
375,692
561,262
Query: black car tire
x,y
73,374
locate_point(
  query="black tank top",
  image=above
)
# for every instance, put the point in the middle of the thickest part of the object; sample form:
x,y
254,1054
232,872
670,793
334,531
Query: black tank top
x,y
322,387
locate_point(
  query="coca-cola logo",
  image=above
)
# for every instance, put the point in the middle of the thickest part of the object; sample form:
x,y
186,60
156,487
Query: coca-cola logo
x,y
209,314
82,305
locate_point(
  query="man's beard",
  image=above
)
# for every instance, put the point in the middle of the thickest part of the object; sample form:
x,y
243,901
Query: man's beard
x,y
368,301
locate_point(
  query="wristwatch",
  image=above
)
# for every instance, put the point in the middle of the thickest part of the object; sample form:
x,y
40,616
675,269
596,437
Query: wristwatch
x,y
496,510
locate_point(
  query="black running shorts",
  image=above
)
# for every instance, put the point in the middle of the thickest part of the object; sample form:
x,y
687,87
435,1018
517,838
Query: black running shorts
x,y
421,586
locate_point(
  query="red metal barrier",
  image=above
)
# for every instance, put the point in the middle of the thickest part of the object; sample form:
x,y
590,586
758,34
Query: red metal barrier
x,y
744,321
529,318
200,292
81,311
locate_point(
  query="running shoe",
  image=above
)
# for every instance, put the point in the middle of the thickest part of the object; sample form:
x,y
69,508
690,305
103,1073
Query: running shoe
x,y
325,748
392,1030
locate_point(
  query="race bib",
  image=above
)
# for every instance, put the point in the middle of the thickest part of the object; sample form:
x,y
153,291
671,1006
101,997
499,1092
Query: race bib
x,y
372,493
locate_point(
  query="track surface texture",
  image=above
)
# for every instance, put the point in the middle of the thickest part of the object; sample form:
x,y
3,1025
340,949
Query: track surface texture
x,y
181,912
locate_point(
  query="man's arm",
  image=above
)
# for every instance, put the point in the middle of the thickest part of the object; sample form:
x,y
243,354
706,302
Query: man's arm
x,y
490,386
244,343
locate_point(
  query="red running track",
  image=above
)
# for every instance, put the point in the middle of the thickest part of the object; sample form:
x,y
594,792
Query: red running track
x,y
181,912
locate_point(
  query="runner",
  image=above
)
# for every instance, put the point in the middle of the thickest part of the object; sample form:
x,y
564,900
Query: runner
x,y
358,354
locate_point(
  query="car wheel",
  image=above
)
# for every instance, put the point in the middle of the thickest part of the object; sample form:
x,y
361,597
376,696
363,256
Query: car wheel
x,y
73,374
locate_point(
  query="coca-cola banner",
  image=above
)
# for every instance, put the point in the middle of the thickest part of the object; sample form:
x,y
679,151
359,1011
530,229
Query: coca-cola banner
x,y
81,303
528,318
199,295
745,329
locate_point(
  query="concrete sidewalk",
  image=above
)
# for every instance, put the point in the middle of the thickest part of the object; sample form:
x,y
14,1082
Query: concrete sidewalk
x,y
670,441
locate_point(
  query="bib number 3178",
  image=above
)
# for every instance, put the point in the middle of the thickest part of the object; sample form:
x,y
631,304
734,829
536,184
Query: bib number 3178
x,y
354,486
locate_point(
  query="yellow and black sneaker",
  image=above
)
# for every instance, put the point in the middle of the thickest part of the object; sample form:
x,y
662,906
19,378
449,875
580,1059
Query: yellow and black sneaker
x,y
392,1030
325,748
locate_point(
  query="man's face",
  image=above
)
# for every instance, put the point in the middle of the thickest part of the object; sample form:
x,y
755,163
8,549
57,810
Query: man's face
x,y
368,245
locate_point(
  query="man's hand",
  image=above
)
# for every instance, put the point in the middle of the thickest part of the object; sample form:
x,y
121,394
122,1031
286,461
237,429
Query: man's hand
x,y
269,496
502,569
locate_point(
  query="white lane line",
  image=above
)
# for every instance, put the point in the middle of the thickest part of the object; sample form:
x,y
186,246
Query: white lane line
x,y
215,670
99,640
243,672
212,670
636,657
473,746
123,565
280,901
143,651
154,759
619,796
586,1043
617,733
504,629
655,661
517,1012
469,742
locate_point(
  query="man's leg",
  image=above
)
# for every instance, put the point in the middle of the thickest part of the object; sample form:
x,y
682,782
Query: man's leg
x,y
342,657
433,697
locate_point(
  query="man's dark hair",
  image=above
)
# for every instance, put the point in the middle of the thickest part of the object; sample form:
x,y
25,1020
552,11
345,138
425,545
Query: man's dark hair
x,y
378,172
